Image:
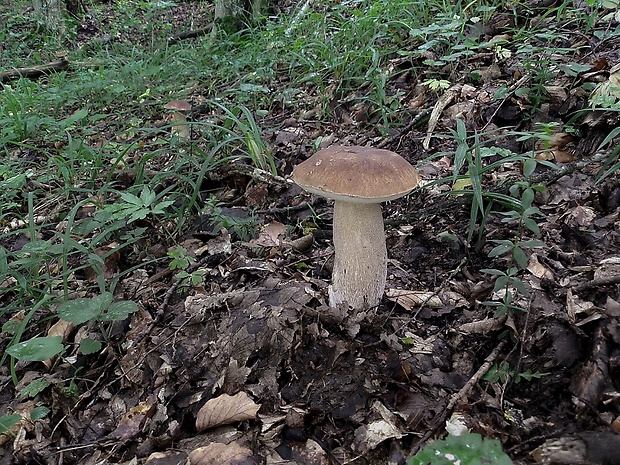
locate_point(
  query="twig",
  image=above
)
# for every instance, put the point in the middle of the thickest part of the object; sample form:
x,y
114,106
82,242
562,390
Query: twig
x,y
34,72
161,310
511,90
287,209
596,283
190,34
440,419
484,368
416,119
277,182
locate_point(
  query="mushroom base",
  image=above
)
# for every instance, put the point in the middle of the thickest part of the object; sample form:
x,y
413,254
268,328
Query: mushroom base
x,y
360,263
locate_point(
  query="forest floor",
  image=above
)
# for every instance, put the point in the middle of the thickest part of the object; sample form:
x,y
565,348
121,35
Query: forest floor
x,y
502,306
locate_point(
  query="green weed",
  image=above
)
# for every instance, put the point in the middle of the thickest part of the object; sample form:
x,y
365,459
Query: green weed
x,y
504,373
136,207
611,164
516,209
467,449
182,262
244,228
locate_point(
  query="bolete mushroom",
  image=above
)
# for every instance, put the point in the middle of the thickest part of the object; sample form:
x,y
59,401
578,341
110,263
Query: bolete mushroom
x,y
178,118
358,179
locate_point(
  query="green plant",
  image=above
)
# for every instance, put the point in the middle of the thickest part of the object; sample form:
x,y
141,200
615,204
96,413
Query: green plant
x,y
19,115
475,158
243,227
524,220
504,373
516,209
241,119
100,308
437,84
612,162
8,421
467,449
183,262
12,182
134,208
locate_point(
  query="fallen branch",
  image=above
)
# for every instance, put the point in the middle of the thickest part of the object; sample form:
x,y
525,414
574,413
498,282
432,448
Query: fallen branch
x,y
34,72
594,283
190,34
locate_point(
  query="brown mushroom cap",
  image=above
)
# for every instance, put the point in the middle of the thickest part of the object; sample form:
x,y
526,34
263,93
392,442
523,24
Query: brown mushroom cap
x,y
356,174
179,105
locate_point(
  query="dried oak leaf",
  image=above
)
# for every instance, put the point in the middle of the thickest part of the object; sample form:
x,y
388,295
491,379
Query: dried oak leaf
x,y
221,454
225,409
134,420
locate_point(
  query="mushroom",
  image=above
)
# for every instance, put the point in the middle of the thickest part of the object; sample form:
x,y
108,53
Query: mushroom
x,y
179,121
358,179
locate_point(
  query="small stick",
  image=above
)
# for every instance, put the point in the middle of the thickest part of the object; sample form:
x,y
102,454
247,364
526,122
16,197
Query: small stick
x,y
596,283
463,393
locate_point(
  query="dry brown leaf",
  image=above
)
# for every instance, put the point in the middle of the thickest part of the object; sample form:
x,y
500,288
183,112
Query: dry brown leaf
x,y
592,447
271,235
220,454
581,216
169,457
368,437
609,89
225,409
538,269
553,149
217,245
409,299
133,421
576,306
607,268
111,258
60,328
483,326
309,452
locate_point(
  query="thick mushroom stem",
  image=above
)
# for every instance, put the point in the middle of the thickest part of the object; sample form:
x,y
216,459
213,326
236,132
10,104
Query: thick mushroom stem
x,y
360,264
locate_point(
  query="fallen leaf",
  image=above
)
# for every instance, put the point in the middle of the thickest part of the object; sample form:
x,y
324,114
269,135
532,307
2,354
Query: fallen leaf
x,y
607,268
369,436
218,245
133,421
271,235
63,329
538,269
111,259
221,454
409,299
609,90
553,149
166,458
461,184
225,409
